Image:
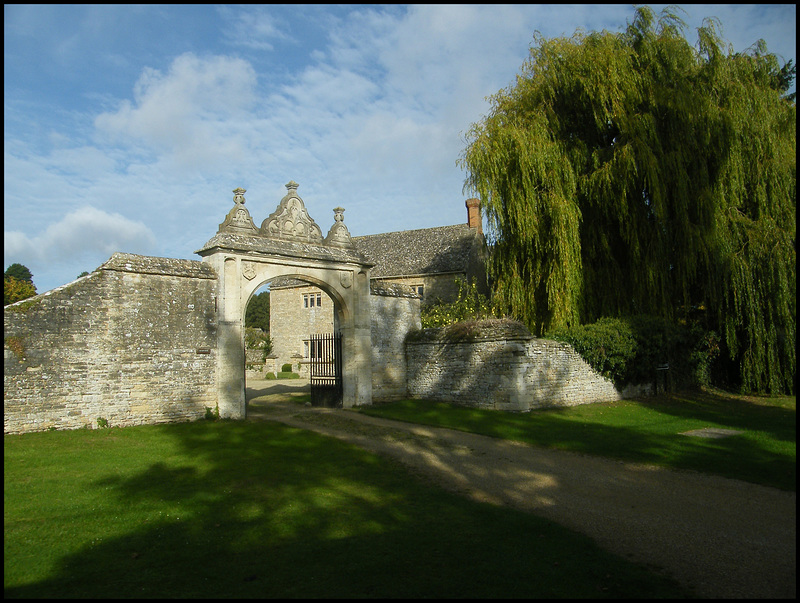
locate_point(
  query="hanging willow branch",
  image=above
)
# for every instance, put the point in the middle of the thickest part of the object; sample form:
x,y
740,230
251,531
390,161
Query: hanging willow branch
x,y
632,173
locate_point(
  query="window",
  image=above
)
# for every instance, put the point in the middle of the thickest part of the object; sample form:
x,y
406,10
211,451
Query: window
x,y
312,349
418,289
312,299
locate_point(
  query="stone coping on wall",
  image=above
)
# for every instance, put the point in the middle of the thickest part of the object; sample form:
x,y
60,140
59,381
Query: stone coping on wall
x,y
293,249
141,264
392,290
475,330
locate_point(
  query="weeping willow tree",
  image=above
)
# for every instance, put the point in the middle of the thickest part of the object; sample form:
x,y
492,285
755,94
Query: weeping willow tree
x,y
633,173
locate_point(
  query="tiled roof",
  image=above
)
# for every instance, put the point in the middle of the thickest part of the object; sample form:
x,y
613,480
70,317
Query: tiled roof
x,y
441,249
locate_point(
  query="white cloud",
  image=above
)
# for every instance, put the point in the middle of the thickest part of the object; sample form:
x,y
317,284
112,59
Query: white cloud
x,y
187,111
252,27
86,231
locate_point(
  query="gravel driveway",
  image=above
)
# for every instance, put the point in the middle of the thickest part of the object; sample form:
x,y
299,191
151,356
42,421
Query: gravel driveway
x,y
721,538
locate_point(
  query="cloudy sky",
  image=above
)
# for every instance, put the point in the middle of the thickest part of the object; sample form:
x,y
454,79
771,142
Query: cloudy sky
x,y
127,127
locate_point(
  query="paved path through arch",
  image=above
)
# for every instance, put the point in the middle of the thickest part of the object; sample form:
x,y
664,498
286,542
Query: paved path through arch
x,y
722,538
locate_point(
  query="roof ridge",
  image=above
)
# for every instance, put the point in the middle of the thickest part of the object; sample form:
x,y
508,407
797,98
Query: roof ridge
x,y
380,234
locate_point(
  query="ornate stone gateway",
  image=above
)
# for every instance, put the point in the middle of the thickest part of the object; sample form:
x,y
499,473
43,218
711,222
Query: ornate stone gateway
x,y
288,244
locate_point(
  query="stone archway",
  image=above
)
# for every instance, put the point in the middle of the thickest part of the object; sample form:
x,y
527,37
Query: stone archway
x,y
288,244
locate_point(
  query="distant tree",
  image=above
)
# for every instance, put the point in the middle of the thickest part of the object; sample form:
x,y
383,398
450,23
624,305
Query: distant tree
x,y
84,273
15,290
632,173
19,272
257,313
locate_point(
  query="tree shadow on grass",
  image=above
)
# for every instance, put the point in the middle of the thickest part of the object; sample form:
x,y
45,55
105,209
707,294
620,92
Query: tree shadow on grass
x,y
743,457
263,510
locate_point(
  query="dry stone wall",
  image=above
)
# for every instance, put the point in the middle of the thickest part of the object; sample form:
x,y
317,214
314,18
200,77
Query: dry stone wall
x,y
504,373
133,343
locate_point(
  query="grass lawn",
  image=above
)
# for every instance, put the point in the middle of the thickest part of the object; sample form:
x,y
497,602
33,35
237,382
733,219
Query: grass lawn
x,y
256,509
645,431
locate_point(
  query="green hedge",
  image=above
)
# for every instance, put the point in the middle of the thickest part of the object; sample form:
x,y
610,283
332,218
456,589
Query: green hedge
x,y
629,350
288,375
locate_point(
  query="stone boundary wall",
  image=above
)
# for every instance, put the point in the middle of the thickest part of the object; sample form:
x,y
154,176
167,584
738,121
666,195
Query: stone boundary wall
x,y
505,373
134,343
394,311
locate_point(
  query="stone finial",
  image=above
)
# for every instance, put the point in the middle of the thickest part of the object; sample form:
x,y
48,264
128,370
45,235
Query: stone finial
x,y
238,219
338,235
290,220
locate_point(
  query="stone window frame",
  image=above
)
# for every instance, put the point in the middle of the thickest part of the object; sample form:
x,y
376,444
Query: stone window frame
x,y
310,298
309,349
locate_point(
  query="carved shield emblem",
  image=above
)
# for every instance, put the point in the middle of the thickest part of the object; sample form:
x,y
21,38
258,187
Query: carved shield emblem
x,y
346,279
248,271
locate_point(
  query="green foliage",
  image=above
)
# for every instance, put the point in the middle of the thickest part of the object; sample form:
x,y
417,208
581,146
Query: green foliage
x,y
288,375
286,368
470,305
257,339
630,350
270,375
15,290
212,414
630,173
608,345
704,356
257,314
19,272
102,422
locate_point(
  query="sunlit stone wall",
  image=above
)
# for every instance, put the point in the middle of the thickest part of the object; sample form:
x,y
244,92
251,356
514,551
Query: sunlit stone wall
x,y
132,343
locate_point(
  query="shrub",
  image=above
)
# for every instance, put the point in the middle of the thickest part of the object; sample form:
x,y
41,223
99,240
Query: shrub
x,y
288,375
629,350
470,305
608,345
286,368
257,339
704,356
269,375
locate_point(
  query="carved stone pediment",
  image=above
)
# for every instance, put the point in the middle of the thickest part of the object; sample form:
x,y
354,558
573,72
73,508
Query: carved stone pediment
x,y
238,219
291,220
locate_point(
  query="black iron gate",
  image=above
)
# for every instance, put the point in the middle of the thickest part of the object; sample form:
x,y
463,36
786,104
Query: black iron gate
x,y
326,370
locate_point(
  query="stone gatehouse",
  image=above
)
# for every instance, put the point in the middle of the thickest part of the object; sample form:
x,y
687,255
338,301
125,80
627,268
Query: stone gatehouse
x,y
430,263
148,340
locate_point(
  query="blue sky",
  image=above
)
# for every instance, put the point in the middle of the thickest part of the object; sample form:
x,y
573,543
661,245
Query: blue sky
x,y
127,127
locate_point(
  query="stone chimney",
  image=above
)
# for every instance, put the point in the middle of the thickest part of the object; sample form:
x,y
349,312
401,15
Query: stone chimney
x,y
474,214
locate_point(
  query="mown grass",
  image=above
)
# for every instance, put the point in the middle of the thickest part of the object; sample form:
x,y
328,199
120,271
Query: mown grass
x,y
257,509
643,431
